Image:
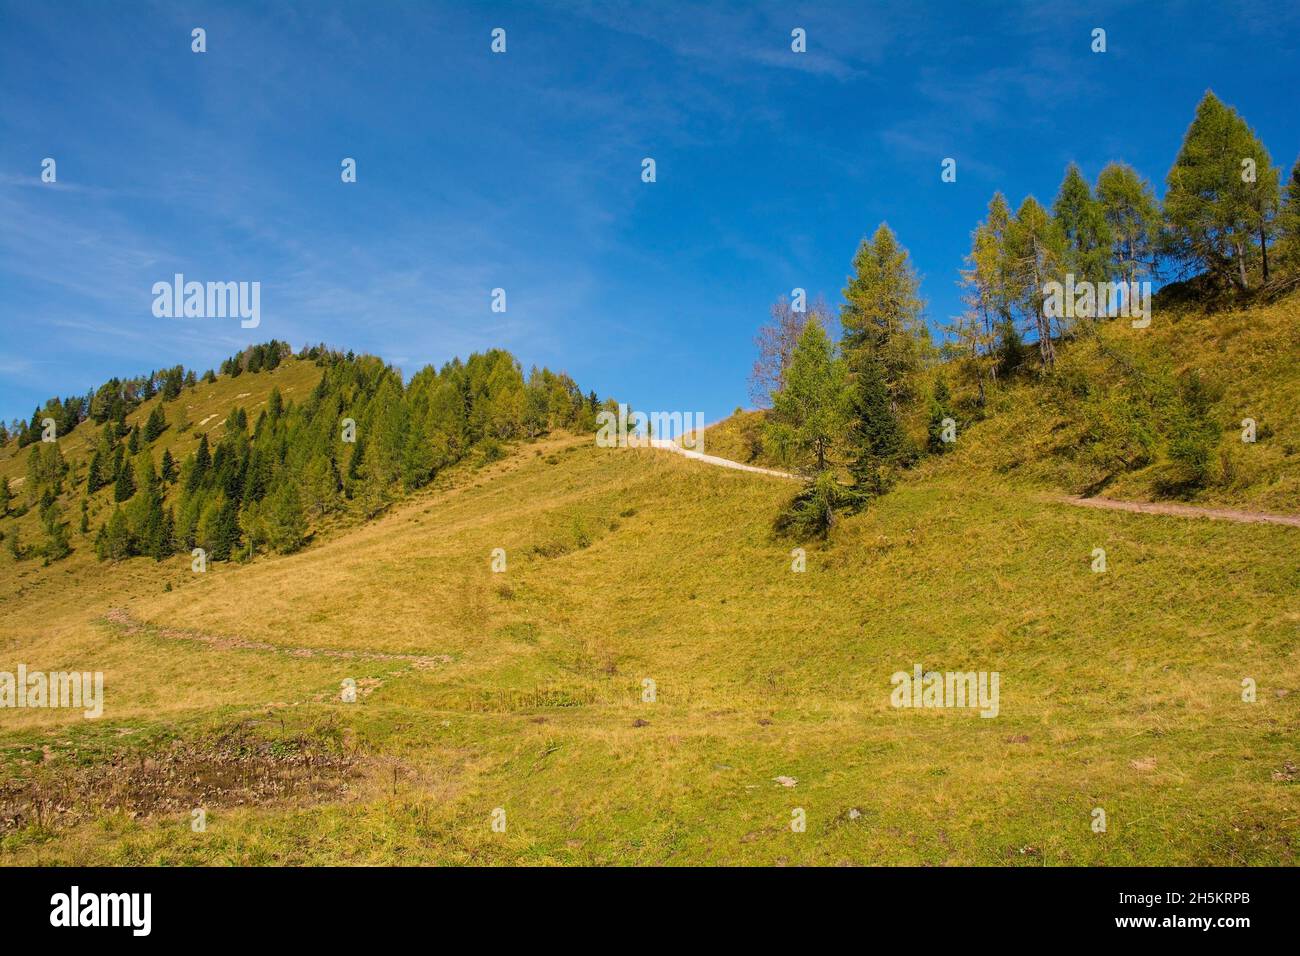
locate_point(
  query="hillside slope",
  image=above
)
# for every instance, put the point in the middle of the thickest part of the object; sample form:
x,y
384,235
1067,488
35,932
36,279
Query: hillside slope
x,y
1100,425
201,410
524,690
1076,433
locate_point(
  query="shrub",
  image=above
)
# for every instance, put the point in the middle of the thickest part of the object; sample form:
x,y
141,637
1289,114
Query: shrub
x,y
811,513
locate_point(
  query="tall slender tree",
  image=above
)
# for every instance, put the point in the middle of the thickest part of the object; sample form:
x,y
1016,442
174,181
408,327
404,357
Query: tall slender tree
x,y
883,314
1133,216
1288,222
1082,222
875,434
1037,252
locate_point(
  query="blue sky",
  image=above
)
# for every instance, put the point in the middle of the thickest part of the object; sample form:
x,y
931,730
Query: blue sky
x,y
522,170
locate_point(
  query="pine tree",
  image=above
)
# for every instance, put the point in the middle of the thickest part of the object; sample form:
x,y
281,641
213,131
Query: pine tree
x,y
167,467
117,537
883,314
124,487
84,527
5,497
202,463
1036,250
1215,207
1082,222
1288,223
156,423
1133,217
133,442
809,414
283,519
876,434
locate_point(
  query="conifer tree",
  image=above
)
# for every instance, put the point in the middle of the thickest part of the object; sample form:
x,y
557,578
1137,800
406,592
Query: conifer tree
x,y
284,520
1133,217
202,462
986,331
1288,223
883,314
1082,222
809,415
156,423
124,487
225,531
56,535
775,343
320,486
1036,249
940,409
95,477
1222,194
876,435
117,537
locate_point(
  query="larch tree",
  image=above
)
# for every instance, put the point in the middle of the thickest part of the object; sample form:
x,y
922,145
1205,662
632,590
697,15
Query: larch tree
x,y
875,434
1082,221
1133,216
883,314
809,414
1288,222
776,341
986,328
1037,252
1222,194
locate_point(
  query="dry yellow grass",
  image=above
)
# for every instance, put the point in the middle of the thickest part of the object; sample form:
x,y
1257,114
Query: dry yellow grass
x,y
1119,690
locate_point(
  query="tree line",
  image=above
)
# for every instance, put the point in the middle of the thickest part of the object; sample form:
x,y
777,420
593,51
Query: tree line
x,y
357,443
850,413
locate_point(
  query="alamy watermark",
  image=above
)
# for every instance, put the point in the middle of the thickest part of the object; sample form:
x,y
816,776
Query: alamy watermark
x,y
212,300
75,908
951,689
1091,300
629,429
56,689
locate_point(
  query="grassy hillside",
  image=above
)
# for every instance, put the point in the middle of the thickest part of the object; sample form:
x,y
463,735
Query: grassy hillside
x,y
1064,435
523,690
1088,428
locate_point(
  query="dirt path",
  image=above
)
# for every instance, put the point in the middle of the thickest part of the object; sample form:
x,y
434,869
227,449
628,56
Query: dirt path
x,y
122,619
665,445
1182,511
